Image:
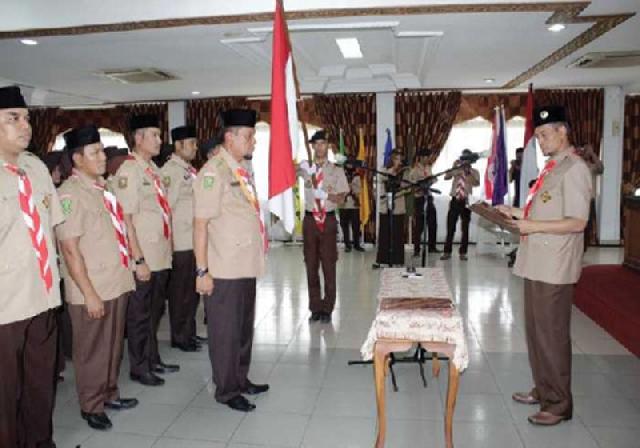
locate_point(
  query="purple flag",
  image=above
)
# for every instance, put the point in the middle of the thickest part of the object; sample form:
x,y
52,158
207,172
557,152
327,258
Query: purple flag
x,y
500,180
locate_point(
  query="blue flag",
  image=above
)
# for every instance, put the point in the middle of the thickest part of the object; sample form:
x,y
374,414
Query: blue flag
x,y
388,147
500,180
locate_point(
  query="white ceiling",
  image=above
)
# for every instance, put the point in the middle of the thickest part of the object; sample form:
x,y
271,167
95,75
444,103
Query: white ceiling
x,y
476,46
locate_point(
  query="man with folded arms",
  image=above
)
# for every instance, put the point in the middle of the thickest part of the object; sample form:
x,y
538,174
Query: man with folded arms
x,y
29,209
550,261
147,215
98,276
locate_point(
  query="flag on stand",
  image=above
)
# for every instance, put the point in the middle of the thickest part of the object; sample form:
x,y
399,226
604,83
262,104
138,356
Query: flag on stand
x,y
283,142
388,148
365,211
496,182
529,165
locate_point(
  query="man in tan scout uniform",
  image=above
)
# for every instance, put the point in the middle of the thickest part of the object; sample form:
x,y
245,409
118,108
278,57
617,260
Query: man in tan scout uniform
x,y
98,277
229,245
148,218
178,175
550,260
29,209
464,179
320,227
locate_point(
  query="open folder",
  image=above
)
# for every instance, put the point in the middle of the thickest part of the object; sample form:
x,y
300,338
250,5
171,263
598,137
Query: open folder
x,y
493,215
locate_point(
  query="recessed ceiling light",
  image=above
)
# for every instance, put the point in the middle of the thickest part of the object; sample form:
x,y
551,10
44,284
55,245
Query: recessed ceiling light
x,y
350,48
419,34
489,80
28,42
195,93
557,27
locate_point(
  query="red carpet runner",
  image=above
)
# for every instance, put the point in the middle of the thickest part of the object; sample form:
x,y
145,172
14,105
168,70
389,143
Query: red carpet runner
x,y
610,296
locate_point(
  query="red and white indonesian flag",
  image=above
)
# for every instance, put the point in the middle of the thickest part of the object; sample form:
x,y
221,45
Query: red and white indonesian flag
x,y
283,144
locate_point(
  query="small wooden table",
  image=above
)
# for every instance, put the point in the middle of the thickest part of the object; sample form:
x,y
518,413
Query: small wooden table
x,y
438,331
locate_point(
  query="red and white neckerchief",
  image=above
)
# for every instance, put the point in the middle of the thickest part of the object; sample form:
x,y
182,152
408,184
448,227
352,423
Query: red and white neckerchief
x,y
192,172
319,210
117,219
32,220
549,166
461,191
163,202
249,190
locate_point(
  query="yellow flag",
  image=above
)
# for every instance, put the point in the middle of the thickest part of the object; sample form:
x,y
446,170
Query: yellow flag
x,y
365,211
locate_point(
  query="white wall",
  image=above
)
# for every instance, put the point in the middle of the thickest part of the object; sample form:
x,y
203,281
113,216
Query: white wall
x,y
177,114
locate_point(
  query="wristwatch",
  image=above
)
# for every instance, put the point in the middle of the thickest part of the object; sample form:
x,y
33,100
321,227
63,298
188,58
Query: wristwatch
x,y
201,272
139,261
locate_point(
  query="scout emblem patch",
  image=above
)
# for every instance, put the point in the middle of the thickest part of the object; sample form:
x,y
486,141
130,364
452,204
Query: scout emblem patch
x,y
166,180
546,197
123,182
46,201
66,204
207,181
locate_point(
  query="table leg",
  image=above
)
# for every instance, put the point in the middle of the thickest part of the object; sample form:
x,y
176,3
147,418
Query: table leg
x,y
380,359
452,393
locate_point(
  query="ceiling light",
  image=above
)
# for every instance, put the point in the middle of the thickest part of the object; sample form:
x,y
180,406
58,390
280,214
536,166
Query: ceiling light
x,y
489,80
419,33
242,40
330,26
350,48
28,42
195,93
557,27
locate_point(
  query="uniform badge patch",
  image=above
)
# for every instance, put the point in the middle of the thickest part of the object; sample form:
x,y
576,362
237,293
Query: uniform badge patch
x,y
46,201
546,197
123,182
166,181
66,206
207,181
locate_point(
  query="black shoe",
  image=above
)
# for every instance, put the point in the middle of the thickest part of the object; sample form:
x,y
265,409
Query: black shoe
x,y
463,257
187,347
165,368
121,403
315,316
255,389
148,379
325,318
445,256
200,339
98,421
239,403
347,249
359,248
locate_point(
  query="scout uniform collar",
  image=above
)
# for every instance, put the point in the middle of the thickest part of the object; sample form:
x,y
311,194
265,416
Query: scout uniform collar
x,y
142,161
86,181
231,162
561,155
180,161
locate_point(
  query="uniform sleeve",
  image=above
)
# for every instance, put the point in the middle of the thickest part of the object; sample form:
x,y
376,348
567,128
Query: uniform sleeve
x,y
475,177
577,192
207,194
342,184
126,188
73,225
57,215
171,180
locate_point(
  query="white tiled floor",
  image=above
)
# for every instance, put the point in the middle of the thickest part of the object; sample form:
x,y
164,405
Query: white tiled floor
x,y
317,401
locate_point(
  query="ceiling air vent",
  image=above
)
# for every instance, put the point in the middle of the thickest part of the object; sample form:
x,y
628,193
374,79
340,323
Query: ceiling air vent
x,y
610,59
138,75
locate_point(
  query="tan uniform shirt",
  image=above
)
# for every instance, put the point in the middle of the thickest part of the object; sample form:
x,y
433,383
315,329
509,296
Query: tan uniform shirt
x,y
135,190
22,290
416,174
335,182
400,203
472,179
178,181
565,193
353,199
235,246
87,218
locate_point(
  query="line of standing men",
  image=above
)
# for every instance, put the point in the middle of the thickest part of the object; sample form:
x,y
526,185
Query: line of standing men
x,y
116,239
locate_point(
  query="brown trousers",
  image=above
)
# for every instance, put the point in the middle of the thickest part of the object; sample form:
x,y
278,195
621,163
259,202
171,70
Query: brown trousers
x,y
231,312
27,381
183,299
321,248
547,310
145,309
97,353
458,209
